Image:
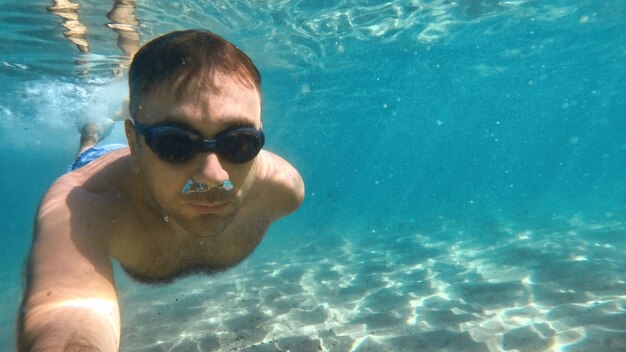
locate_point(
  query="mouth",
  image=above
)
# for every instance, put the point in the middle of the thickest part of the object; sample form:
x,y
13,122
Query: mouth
x,y
204,208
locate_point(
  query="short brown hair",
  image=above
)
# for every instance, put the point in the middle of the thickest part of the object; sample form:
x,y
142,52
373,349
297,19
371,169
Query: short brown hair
x,y
182,58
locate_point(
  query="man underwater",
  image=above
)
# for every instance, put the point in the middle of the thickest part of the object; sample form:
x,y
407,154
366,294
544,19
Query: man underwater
x,y
193,192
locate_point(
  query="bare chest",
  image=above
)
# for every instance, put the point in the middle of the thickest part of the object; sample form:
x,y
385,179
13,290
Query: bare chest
x,y
157,254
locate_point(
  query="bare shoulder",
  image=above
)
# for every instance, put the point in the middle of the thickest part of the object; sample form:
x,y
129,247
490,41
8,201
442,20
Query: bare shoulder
x,y
279,183
71,214
94,194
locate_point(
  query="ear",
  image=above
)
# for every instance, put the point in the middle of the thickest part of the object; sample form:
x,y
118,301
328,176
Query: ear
x,y
133,145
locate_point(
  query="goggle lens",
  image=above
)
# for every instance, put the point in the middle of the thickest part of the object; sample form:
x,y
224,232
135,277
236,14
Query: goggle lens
x,y
240,146
177,144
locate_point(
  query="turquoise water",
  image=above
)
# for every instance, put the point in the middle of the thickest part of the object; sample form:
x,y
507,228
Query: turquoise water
x,y
464,162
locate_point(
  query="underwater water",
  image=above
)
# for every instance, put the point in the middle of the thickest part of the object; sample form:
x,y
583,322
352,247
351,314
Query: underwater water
x,y
464,164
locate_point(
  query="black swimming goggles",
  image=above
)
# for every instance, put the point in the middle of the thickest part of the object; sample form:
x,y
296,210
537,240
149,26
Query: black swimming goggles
x,y
176,143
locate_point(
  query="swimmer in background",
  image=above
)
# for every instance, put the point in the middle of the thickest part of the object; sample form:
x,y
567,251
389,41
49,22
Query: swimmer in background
x,y
194,192
91,133
123,22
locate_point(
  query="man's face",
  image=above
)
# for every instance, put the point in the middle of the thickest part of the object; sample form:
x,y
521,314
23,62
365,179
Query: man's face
x,y
208,112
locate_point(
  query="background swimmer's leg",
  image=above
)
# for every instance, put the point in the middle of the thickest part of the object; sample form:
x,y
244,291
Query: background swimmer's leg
x,y
124,112
89,137
75,30
91,133
125,24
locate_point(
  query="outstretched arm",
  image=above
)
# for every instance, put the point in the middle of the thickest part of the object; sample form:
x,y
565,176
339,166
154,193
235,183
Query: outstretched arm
x,y
70,302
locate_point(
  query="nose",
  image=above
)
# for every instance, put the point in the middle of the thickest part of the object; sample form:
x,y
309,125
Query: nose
x,y
211,172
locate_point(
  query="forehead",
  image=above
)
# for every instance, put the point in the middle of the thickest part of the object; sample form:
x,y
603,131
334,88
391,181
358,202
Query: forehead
x,y
227,101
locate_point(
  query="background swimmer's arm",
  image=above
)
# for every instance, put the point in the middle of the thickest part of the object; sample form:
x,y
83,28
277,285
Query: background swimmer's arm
x,y
70,302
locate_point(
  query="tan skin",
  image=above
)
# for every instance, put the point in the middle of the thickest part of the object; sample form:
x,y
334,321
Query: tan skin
x,y
115,208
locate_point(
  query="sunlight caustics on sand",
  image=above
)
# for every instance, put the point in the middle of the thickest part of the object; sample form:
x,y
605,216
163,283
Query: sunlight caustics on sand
x,y
530,290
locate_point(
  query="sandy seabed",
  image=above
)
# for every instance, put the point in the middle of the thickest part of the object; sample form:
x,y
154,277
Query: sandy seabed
x,y
558,286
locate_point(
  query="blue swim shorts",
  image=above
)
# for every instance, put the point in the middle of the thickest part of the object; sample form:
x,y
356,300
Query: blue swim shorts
x,y
92,154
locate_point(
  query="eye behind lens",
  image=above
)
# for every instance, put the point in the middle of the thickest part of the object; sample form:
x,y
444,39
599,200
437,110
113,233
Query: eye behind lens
x,y
241,147
173,147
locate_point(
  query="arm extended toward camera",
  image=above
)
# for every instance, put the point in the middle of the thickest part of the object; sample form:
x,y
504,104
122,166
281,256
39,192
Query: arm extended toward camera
x,y
70,302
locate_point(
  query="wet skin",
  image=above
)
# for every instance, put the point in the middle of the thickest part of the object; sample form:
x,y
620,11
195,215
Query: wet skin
x,y
128,206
